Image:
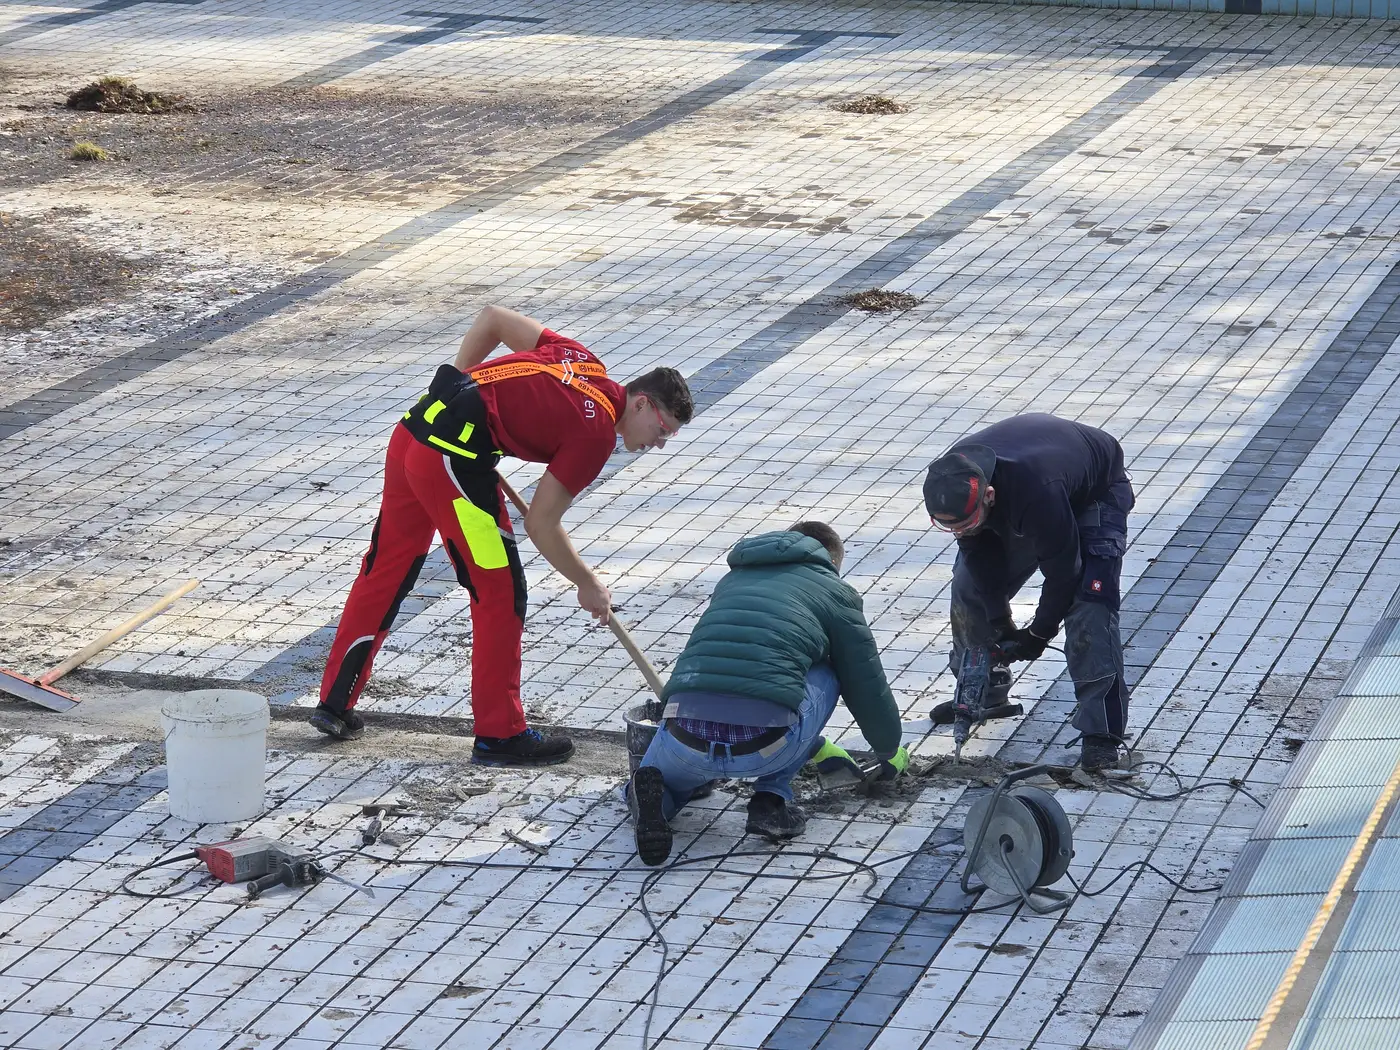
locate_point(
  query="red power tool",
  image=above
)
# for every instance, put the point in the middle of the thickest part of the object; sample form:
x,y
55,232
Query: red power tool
x,y
265,861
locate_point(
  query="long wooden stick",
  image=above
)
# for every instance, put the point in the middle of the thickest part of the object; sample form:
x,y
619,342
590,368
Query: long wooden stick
x,y
638,657
633,650
520,504
90,650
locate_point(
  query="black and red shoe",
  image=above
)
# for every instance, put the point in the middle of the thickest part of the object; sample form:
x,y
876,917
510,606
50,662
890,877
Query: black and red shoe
x,y
338,725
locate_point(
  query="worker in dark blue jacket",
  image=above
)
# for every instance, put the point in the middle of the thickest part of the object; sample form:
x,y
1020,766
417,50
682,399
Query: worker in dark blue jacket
x,y
1039,492
749,696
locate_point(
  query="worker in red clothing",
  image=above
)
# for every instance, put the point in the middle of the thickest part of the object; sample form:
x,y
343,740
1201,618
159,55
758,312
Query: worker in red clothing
x,y
549,401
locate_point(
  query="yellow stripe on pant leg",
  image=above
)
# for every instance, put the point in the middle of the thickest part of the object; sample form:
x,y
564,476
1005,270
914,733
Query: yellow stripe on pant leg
x,y
482,533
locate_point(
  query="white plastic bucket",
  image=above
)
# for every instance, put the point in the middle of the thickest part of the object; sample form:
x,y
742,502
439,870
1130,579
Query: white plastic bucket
x,y
215,754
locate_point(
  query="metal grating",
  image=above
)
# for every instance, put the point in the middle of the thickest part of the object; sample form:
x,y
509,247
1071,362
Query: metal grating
x,y
1232,987
1373,926
1205,1035
1358,984
1347,1034
1296,866
1379,677
1350,763
1382,871
1360,717
1317,812
1389,645
1267,924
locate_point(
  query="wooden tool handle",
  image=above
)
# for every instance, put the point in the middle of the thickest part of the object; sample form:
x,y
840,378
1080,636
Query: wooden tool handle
x,y
638,657
90,650
520,504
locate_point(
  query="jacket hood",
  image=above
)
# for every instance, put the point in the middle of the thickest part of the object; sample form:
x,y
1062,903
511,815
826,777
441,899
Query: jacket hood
x,y
779,548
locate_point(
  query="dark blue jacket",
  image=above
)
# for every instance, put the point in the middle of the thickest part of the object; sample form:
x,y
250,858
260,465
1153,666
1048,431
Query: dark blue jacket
x,y
1048,471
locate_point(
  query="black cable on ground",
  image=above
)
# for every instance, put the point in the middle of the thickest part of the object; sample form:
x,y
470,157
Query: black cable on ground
x,y
1080,891
654,875
157,894
1140,763
1147,796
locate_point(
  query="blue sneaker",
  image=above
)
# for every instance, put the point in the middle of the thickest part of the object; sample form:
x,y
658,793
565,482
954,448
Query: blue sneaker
x,y
529,748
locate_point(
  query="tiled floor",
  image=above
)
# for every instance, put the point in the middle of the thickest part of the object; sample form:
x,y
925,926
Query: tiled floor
x,y
1179,228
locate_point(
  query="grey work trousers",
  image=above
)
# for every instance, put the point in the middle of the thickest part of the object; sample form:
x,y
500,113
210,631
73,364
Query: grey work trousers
x,y
1093,644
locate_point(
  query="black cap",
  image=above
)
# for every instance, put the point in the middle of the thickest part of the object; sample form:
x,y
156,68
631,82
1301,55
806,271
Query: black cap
x,y
957,480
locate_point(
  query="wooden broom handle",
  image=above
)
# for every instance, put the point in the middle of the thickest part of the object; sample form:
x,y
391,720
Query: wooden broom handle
x,y
520,504
638,657
633,650
90,650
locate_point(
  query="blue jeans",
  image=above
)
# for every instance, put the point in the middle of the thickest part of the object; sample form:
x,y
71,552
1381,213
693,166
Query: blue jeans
x,y
683,769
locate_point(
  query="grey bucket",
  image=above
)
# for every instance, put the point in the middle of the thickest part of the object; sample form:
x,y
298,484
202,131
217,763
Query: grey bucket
x,y
642,723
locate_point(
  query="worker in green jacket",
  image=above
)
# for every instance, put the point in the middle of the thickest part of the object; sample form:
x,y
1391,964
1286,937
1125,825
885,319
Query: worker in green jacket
x,y
782,637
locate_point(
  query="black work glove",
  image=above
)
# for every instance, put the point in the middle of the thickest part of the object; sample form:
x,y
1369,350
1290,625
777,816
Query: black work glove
x,y
1022,645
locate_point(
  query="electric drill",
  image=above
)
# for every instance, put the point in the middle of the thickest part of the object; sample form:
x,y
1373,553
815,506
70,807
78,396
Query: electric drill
x,y
263,860
974,680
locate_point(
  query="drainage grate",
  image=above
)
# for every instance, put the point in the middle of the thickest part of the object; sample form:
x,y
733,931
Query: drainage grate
x,y
1287,866
1267,924
1317,812
1372,924
1357,984
1348,763
1233,988
1380,677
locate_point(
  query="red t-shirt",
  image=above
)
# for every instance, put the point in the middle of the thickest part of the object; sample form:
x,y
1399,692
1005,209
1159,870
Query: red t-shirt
x,y
539,419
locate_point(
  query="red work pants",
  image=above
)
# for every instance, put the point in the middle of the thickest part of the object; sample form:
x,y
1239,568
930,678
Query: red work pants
x,y
423,495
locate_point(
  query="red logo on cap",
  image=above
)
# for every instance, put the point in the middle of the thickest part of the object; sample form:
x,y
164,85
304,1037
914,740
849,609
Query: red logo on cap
x,y
1096,586
972,497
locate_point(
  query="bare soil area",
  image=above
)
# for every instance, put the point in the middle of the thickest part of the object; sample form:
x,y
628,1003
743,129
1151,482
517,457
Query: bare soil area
x,y
323,141
47,269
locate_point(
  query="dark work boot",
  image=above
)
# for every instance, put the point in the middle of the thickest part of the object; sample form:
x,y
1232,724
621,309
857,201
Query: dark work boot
x,y
338,725
774,817
527,748
1097,753
649,824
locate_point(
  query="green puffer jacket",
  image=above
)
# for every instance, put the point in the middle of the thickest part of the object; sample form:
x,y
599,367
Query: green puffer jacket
x,y
780,610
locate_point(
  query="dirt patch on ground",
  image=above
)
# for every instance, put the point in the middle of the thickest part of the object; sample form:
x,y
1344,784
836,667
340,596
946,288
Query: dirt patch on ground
x,y
316,142
46,271
870,104
879,301
119,95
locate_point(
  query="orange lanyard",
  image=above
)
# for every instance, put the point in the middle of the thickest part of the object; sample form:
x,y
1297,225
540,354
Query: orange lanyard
x,y
570,373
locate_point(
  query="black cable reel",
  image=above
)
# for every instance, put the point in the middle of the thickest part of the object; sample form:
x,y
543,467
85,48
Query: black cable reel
x,y
1018,842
